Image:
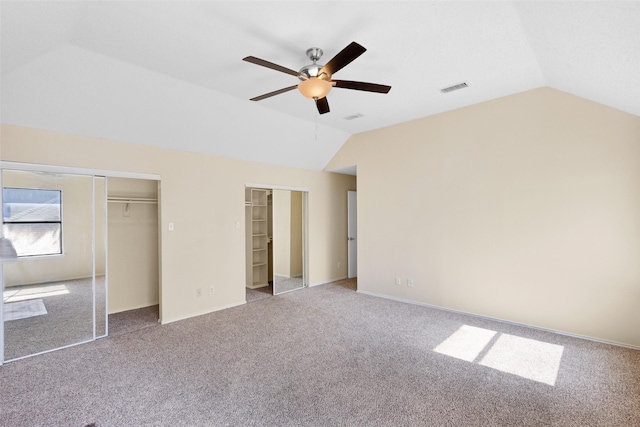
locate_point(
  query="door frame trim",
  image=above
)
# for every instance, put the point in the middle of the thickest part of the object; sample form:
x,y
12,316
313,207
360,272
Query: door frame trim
x,y
34,167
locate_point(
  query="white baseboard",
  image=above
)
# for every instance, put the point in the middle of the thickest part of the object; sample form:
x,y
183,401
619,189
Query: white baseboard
x,y
328,281
135,307
297,276
200,313
436,307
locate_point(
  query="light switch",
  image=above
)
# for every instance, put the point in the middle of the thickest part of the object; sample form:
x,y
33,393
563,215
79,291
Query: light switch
x,y
170,226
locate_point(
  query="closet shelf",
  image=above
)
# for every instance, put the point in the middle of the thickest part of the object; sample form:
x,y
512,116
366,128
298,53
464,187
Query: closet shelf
x,y
141,200
256,245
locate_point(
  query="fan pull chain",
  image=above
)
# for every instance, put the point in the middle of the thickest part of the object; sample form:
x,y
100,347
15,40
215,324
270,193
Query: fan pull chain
x,y
317,114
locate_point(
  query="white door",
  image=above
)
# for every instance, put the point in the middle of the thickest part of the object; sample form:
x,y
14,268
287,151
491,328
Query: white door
x,y
352,233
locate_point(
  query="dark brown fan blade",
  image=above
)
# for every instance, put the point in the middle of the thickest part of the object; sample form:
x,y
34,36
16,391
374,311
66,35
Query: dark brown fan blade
x,y
275,92
323,105
369,87
343,58
271,65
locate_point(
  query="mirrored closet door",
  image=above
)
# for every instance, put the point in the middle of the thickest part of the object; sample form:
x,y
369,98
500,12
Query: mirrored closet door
x,y
288,241
54,292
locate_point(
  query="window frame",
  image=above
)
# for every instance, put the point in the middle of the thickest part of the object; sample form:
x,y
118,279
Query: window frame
x,y
60,221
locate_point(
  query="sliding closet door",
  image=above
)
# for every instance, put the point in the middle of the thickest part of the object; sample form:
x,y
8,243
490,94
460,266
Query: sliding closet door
x,y
288,241
54,293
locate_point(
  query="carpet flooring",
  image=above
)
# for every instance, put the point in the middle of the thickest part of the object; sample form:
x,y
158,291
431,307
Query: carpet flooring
x,y
259,293
133,320
326,356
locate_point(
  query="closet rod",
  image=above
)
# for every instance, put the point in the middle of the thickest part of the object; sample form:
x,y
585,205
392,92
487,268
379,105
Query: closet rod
x,y
144,200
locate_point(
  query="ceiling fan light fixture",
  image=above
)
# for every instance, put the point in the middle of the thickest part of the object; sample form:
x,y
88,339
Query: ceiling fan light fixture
x,y
315,88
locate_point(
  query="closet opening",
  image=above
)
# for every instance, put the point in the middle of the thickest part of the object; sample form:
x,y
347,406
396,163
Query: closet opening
x,y
134,283
275,240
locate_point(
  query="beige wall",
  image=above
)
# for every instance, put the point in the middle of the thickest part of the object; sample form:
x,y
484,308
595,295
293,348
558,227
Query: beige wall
x,y
77,259
525,208
204,197
133,246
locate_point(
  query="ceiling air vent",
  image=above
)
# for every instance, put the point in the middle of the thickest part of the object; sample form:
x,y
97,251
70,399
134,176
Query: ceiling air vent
x,y
454,87
354,116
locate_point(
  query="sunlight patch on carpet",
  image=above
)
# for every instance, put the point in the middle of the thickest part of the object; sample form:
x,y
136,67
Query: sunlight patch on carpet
x,y
23,293
527,358
23,309
466,343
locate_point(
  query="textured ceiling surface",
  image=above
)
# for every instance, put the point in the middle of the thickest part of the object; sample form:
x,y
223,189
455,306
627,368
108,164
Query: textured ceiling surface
x,y
171,74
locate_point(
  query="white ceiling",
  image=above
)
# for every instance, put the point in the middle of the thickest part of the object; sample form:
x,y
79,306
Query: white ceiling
x,y
171,73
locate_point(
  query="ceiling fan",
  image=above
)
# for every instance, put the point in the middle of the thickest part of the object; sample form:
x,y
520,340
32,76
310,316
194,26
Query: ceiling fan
x,y
315,79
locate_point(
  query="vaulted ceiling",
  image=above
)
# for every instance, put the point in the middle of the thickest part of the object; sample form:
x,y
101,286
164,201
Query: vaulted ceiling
x,y
171,74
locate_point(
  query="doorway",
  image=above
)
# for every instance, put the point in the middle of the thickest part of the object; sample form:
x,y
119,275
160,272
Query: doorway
x,y
134,283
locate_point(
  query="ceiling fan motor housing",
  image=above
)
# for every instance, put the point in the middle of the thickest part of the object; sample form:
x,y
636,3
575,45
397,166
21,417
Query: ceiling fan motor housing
x,y
312,70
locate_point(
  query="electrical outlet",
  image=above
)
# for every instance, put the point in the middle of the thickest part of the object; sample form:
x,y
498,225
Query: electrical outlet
x,y
199,292
398,281
212,290
410,283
